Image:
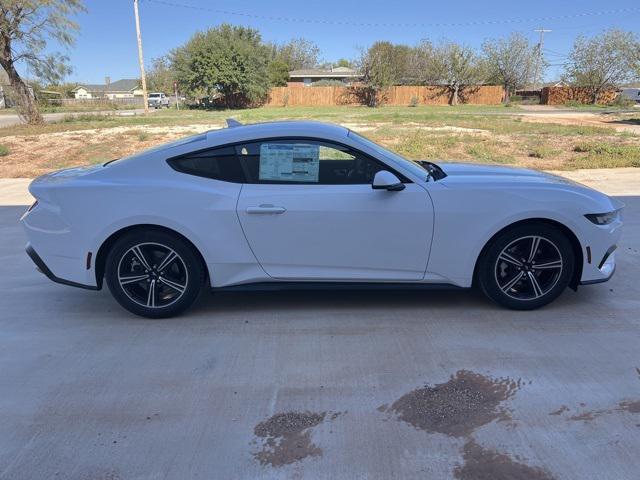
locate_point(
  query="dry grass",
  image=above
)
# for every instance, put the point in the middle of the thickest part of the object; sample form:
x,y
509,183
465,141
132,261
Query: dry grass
x,y
468,134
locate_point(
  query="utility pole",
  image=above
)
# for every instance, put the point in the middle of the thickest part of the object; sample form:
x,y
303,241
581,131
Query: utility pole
x,y
541,31
141,58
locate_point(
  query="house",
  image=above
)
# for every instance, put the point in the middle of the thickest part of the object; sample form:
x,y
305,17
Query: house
x,y
305,77
125,88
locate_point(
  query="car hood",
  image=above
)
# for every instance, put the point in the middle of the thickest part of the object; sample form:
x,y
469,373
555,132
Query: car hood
x,y
471,173
461,175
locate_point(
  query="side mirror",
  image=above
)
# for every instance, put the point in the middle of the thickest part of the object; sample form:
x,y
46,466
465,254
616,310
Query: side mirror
x,y
385,180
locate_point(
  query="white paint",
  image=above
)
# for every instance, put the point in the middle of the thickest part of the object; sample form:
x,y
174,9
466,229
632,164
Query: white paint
x,y
432,231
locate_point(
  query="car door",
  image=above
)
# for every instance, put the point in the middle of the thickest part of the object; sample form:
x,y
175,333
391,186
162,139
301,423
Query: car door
x,y
309,212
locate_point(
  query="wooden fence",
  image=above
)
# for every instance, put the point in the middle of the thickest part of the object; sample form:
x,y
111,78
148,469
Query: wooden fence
x,y
562,95
399,95
97,102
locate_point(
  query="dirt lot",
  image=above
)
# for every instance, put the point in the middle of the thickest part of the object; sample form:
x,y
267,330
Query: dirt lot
x,y
544,139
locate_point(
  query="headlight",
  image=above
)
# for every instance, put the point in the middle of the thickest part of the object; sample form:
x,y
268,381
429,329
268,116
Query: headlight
x,y
603,218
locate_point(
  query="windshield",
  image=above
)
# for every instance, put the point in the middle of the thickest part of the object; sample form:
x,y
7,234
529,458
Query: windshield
x,y
408,164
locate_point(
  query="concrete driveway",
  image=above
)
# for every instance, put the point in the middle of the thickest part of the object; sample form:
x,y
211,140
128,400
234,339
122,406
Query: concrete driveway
x,y
336,385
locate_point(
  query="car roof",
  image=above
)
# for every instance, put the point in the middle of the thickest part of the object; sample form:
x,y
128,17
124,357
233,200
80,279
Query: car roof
x,y
292,128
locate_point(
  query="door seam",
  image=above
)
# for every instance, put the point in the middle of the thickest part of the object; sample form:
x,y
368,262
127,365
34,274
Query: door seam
x,y
246,239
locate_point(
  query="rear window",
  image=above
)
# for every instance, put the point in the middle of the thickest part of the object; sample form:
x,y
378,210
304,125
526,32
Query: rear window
x,y
218,164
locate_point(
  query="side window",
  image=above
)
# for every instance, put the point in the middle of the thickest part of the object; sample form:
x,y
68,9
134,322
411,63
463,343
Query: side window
x,y
305,162
217,163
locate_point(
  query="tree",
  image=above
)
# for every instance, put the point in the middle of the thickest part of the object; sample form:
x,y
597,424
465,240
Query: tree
x,y
381,66
278,72
226,61
457,68
510,62
344,62
603,62
25,26
160,76
298,53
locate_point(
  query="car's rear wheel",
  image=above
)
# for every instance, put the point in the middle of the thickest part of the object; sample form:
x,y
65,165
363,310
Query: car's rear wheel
x,y
153,273
527,266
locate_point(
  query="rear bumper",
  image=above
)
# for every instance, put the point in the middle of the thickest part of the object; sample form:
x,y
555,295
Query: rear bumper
x,y
42,267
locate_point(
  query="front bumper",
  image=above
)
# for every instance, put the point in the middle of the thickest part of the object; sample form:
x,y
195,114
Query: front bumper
x,y
42,267
606,267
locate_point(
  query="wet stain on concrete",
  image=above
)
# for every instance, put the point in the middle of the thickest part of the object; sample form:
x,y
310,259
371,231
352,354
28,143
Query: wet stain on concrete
x,y
286,437
587,416
486,464
560,411
629,406
456,408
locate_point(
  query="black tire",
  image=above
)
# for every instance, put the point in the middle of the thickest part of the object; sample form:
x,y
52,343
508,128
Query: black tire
x,y
509,275
148,287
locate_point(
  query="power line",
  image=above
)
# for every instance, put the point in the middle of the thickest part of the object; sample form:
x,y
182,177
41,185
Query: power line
x,y
401,25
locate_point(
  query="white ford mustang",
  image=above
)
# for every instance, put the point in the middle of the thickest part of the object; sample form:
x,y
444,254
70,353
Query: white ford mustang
x,y
306,204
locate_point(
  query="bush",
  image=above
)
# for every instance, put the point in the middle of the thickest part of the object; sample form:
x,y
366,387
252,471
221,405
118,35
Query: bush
x,y
573,103
622,102
84,117
328,83
4,150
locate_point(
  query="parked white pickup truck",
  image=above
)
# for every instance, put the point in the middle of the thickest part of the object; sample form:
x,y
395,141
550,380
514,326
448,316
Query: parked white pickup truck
x,y
158,100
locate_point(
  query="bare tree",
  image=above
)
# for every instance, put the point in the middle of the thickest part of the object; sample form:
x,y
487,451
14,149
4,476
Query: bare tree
x,y
377,70
298,53
381,66
603,62
25,26
457,68
510,62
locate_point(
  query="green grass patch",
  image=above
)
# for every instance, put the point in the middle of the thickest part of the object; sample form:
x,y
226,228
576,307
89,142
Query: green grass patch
x,y
486,152
543,151
606,155
4,150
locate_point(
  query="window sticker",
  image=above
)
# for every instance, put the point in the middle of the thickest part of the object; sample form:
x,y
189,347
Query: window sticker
x,y
291,162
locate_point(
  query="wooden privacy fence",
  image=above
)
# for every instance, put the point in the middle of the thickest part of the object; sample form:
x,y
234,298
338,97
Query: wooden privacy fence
x,y
562,95
399,95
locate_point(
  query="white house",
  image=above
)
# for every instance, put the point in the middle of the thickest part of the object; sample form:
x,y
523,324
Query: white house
x,y
125,88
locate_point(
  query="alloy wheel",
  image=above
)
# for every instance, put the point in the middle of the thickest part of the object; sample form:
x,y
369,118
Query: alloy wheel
x,y
152,275
528,268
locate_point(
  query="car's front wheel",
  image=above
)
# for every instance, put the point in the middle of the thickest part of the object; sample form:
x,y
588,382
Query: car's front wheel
x,y
153,273
527,266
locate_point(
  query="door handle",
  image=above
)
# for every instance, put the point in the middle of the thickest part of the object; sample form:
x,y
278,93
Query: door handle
x,y
266,209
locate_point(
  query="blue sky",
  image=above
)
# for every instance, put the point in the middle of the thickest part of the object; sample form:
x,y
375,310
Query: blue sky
x,y
106,43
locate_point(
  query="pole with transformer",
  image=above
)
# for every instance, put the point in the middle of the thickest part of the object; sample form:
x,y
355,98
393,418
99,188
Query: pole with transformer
x,y
141,58
541,31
